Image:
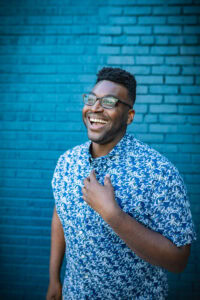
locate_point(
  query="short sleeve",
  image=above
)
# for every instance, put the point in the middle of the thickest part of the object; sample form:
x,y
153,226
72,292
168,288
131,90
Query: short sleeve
x,y
171,210
57,180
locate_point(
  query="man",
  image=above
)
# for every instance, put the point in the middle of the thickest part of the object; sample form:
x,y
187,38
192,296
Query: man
x,y
121,207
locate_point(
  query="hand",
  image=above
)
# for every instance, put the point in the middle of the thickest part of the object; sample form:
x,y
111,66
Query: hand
x,y
54,291
100,197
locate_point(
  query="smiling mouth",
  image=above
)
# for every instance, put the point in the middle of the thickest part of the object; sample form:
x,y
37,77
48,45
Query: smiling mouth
x,y
96,121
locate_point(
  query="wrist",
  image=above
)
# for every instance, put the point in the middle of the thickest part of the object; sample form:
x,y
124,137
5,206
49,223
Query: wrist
x,y
114,216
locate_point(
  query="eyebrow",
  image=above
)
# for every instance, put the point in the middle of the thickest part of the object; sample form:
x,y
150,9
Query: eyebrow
x,y
108,95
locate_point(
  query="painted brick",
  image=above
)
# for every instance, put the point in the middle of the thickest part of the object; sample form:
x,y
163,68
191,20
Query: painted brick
x,y
191,29
137,10
151,118
189,109
182,20
164,50
149,99
163,108
161,39
128,60
149,79
190,90
166,89
182,60
178,138
185,50
108,50
124,39
192,70
191,10
137,29
152,20
135,50
167,29
179,80
166,10
107,30
165,70
178,99
149,60
122,20
147,40
172,119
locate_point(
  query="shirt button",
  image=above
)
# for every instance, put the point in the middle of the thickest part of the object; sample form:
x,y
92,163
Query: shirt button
x,y
82,256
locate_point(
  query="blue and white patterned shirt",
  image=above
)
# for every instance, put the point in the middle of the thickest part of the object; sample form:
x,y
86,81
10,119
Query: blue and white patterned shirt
x,y
99,265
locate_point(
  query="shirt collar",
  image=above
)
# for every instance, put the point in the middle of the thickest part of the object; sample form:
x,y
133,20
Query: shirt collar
x,y
121,145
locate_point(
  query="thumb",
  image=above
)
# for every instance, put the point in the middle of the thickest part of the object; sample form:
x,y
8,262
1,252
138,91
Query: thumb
x,y
107,180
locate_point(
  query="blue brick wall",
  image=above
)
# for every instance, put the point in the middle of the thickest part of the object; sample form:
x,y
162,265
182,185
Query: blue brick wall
x,y
49,55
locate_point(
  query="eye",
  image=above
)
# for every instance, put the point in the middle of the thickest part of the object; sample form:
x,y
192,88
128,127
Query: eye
x,y
90,99
109,101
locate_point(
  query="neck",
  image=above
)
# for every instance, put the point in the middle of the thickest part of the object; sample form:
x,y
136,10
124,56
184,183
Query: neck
x,y
98,150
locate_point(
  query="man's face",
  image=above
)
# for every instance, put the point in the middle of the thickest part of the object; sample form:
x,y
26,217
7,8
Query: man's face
x,y
106,125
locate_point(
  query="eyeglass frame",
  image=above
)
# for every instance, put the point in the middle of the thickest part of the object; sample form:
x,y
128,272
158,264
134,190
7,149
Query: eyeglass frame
x,y
100,100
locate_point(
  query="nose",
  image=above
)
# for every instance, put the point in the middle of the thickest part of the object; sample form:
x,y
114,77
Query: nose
x,y
97,106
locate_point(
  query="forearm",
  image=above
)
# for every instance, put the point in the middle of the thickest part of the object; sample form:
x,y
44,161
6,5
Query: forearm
x,y
147,244
57,248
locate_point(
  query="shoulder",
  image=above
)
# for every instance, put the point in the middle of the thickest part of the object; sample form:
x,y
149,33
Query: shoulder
x,y
150,159
77,152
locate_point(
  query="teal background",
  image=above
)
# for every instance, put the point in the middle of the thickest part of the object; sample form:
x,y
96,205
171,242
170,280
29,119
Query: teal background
x,y
50,52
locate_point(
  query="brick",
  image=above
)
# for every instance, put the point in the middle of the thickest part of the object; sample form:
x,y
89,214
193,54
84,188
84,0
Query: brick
x,y
163,108
138,70
165,70
109,10
149,79
190,39
194,119
182,60
153,20
189,109
151,118
137,29
178,99
185,50
190,148
122,20
190,89
128,60
192,70
176,119
138,128
140,108
110,30
179,80
161,39
137,10
182,20
163,89
178,138
134,50
149,99
165,148
191,10
124,40
149,60
147,40
167,29
105,39
191,29
164,50
166,10
108,50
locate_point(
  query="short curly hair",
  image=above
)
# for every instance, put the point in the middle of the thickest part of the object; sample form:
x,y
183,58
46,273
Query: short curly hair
x,y
120,76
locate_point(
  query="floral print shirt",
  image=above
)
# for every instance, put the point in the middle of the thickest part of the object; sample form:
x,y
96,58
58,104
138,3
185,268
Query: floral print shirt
x,y
99,265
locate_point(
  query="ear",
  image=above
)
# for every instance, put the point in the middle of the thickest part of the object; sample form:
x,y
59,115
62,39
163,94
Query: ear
x,y
131,114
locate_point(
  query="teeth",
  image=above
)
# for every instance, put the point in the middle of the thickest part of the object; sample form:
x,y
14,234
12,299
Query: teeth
x,y
98,121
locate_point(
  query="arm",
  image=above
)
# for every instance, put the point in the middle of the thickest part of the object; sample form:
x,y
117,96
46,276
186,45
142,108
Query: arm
x,y
147,244
56,258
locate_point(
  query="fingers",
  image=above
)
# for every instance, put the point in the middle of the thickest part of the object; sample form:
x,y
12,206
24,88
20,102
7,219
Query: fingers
x,y
92,175
107,180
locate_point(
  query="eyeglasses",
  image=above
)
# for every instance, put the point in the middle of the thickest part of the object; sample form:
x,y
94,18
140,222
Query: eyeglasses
x,y
106,102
